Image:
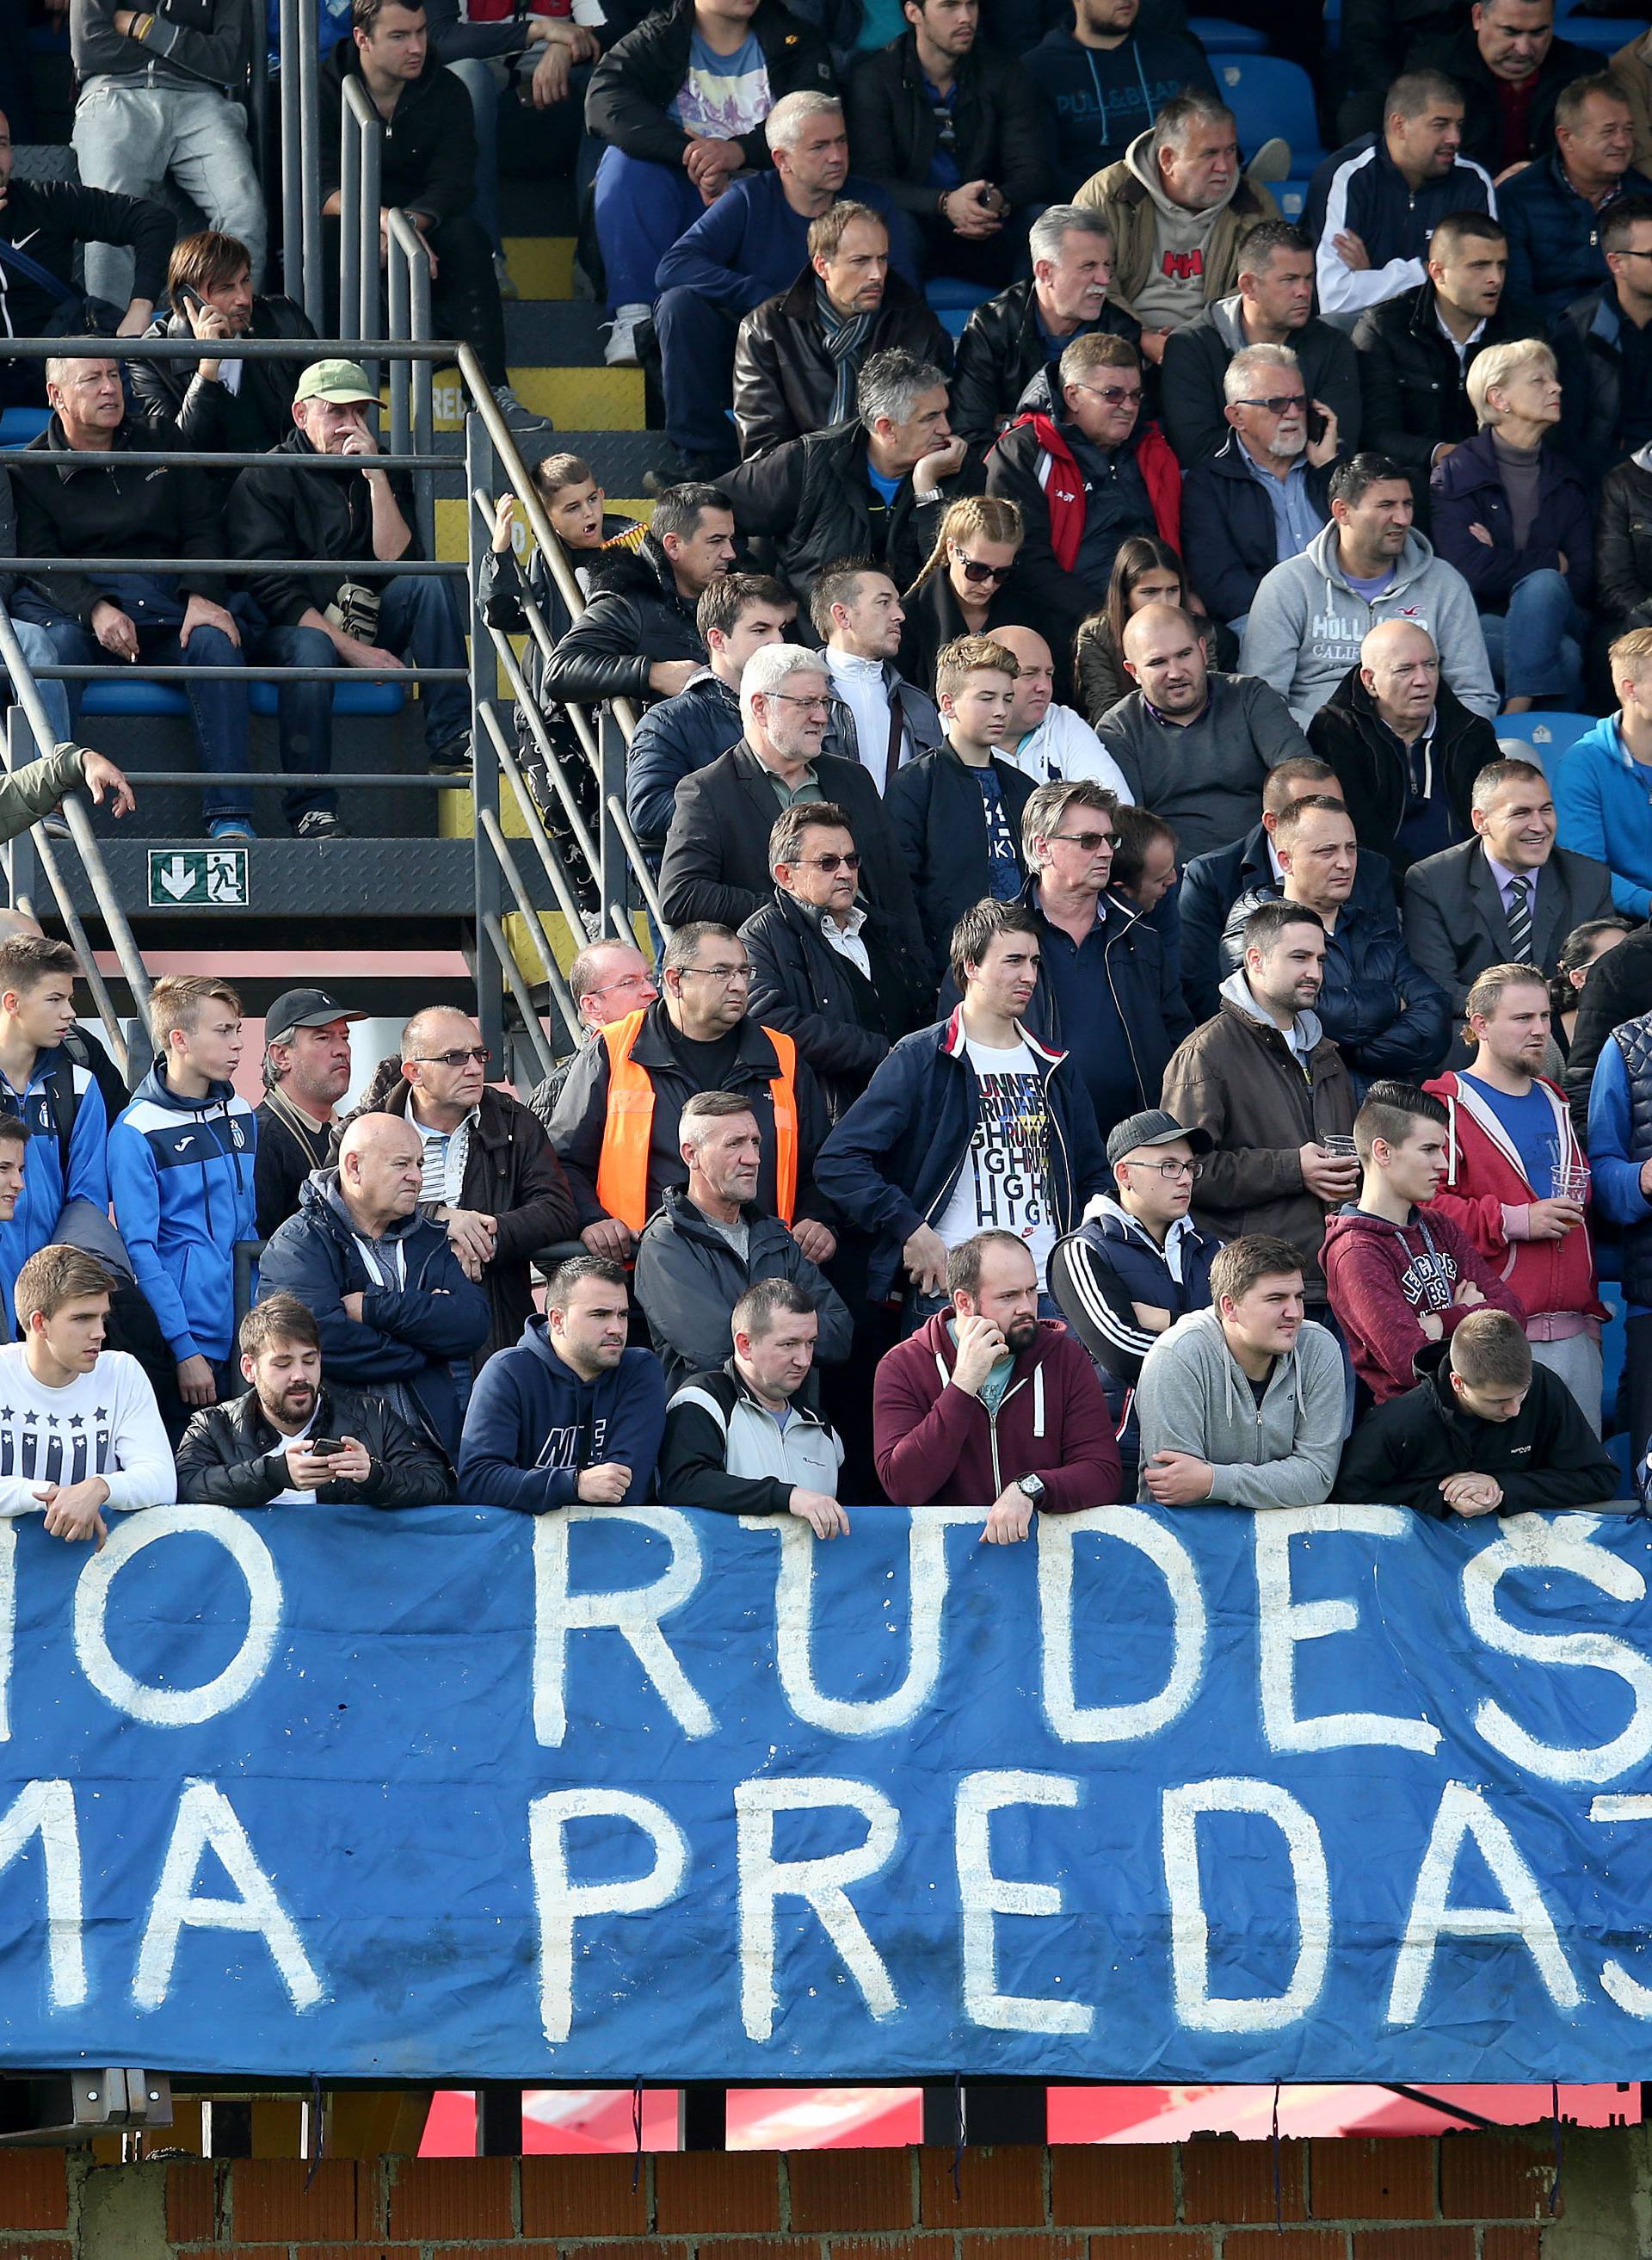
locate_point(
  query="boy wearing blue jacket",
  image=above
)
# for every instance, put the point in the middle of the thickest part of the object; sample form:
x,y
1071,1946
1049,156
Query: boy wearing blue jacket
x,y
181,1178
570,1415
58,1103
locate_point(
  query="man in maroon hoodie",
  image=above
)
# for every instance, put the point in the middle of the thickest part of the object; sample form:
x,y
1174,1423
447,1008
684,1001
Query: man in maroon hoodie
x,y
989,1406
1398,1279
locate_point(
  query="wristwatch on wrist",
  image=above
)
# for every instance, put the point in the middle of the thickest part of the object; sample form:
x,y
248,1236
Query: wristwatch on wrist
x,y
1032,1485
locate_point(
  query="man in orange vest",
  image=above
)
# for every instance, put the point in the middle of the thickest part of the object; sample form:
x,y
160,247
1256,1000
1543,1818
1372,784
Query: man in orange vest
x,y
616,1124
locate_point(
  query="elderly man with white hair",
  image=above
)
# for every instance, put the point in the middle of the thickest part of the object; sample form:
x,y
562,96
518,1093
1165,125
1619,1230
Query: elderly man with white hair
x,y
1515,519
750,242
716,863
1265,493
1010,338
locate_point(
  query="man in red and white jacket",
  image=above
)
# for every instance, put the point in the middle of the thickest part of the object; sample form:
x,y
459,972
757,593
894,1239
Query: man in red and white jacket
x,y
989,1406
1085,477
1517,1178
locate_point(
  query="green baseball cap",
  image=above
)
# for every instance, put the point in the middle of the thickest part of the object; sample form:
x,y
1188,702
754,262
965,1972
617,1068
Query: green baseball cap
x,y
335,380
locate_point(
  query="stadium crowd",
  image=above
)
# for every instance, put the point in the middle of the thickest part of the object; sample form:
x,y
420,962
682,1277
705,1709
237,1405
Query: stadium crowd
x,y
1126,1023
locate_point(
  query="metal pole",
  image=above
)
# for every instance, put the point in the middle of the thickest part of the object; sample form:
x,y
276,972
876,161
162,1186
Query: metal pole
x,y
349,219
258,114
480,469
22,868
397,285
293,176
422,326
372,155
309,70
614,878
538,1044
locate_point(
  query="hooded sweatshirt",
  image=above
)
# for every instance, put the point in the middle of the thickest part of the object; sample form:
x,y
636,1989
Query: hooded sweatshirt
x,y
1383,1279
44,1108
1195,1397
1306,626
181,1181
1174,292
533,1425
1102,97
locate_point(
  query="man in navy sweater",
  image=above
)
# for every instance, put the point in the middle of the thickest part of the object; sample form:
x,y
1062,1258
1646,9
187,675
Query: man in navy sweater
x,y
751,243
1104,81
570,1416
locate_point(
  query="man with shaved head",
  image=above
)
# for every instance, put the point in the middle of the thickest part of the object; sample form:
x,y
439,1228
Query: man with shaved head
x,y
607,980
1048,742
489,1177
395,1311
1195,747
1405,747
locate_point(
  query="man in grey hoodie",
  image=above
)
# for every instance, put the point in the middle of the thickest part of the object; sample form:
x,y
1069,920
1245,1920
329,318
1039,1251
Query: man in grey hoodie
x,y
1311,613
1243,1405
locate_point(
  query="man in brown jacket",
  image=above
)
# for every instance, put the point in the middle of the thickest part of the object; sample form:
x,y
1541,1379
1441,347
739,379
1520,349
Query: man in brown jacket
x,y
1271,1089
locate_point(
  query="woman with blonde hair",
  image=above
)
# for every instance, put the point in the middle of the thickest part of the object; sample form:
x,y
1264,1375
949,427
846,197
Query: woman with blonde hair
x,y
967,586
1512,515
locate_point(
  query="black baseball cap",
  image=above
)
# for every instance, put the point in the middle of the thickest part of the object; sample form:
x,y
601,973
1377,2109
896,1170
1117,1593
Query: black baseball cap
x,y
303,1008
1153,1127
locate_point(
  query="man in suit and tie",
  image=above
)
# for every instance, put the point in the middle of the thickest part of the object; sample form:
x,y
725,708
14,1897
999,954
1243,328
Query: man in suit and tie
x,y
716,862
1508,895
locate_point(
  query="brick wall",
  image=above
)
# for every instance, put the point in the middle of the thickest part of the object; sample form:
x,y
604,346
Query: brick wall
x,y
1465,2197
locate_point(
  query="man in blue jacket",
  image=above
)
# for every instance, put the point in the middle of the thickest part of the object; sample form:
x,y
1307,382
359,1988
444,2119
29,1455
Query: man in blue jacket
x,y
1553,208
570,1416
1620,1156
1601,790
974,1125
181,1180
395,1311
57,1102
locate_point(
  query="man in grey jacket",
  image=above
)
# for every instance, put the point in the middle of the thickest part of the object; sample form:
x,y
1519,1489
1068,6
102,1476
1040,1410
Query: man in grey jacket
x,y
1311,613
1243,1405
706,1247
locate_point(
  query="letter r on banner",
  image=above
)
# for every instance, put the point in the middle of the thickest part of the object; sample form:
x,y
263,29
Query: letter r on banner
x,y
633,1612
763,1880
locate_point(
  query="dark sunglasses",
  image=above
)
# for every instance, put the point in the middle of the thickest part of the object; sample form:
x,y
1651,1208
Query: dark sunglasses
x,y
974,570
830,863
478,1052
1276,404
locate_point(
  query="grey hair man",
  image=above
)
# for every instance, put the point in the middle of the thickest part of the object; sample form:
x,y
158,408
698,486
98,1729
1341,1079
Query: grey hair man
x,y
1009,339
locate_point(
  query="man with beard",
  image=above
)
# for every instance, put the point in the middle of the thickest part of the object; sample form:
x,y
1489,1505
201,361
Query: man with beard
x,y
295,1441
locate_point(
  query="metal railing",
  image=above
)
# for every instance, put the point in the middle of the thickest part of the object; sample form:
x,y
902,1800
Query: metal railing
x,y
303,274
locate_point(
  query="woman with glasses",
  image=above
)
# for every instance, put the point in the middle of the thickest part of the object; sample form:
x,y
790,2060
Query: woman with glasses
x,y
968,586
1145,571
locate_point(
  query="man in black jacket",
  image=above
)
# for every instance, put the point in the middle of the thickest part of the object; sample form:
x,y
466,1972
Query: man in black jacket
x,y
43,226
681,102
68,505
161,95
263,1449
1486,1431
225,404
638,637
799,356
828,970
875,487
429,173
327,618
717,861
1272,305
1008,339
1511,68
1415,351
1603,347
957,134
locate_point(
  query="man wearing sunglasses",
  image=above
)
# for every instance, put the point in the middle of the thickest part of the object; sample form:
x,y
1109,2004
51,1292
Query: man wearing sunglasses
x,y
1138,1263
491,1177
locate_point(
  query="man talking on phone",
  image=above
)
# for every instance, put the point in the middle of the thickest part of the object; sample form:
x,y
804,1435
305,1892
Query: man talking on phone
x,y
334,618
294,1439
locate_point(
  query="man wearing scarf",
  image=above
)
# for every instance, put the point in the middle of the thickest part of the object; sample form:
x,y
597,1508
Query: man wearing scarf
x,y
799,354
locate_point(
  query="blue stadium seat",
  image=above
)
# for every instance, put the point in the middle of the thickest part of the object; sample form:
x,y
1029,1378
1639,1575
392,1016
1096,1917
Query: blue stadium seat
x,y
347,698
1332,25
946,293
1549,735
134,697
1604,35
19,425
1269,95
1291,196
1219,36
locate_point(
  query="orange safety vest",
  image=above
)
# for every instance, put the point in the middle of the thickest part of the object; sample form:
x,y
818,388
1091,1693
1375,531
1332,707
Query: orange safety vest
x,y
622,1168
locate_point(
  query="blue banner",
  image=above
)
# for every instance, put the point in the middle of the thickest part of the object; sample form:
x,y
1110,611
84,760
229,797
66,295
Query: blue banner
x,y
1331,1794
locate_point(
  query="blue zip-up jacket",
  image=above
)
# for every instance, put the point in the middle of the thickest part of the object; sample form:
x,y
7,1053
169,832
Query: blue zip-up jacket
x,y
682,734
1612,1158
181,1179
750,244
1554,234
1098,99
1360,190
44,1190
533,1425
892,1162
413,1343
1602,810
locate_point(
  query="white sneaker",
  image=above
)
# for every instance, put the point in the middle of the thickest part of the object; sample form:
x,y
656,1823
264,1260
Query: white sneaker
x,y
504,277
522,420
622,348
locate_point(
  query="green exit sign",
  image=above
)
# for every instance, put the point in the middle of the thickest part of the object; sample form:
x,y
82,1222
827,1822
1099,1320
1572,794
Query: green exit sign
x,y
197,878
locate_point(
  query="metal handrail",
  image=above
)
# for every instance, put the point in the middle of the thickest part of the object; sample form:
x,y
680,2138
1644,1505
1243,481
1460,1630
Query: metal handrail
x,y
361,159
300,35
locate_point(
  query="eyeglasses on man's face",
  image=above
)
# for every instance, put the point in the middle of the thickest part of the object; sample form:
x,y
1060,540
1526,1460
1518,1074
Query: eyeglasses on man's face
x,y
1170,1171
726,974
830,863
456,1059
1090,843
1277,403
1114,394
820,704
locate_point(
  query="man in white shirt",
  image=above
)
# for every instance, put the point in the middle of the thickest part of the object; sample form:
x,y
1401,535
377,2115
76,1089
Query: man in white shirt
x,y
878,717
1050,743
79,1427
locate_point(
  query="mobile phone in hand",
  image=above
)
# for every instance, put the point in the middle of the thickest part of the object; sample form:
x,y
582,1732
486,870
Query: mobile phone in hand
x,y
325,1447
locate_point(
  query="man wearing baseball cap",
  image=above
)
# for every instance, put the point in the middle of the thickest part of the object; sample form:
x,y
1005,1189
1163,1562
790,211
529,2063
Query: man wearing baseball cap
x,y
338,617
1138,1262
306,1073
